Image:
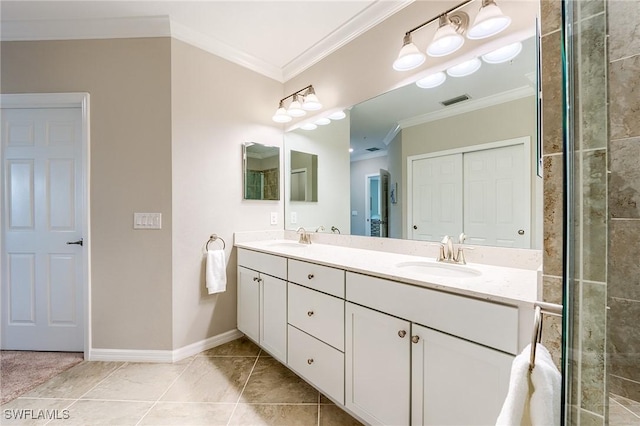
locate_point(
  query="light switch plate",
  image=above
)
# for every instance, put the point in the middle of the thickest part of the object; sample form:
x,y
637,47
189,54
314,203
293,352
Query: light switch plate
x,y
274,218
147,221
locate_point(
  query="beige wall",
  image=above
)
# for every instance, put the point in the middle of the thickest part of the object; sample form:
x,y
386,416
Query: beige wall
x,y
129,82
359,171
216,106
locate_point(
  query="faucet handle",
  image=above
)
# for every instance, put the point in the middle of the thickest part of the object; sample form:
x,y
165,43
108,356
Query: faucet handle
x,y
459,258
462,237
445,239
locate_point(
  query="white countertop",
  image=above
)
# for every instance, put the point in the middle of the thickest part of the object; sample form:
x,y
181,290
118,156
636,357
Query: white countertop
x,y
496,283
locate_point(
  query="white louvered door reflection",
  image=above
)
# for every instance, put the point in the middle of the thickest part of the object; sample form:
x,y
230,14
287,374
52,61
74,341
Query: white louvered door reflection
x,y
42,287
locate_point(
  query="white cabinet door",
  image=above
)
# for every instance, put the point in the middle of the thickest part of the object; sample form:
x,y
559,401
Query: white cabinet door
x,y
454,381
273,316
249,303
377,372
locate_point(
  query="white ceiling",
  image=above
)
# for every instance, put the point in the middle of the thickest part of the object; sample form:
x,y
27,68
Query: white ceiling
x,y
278,39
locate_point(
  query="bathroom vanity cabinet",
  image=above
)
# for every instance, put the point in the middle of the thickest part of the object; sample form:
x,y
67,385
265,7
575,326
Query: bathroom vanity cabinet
x,y
389,352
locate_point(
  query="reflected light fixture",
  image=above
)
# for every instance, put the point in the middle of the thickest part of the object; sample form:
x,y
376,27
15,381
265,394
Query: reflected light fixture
x,y
410,56
503,54
431,81
465,68
322,121
448,37
308,126
489,21
302,100
338,115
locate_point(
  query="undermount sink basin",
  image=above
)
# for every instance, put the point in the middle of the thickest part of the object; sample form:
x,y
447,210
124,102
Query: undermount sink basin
x,y
287,244
439,269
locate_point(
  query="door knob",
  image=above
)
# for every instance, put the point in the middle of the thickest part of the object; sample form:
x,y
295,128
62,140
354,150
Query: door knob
x,y
79,242
415,226
310,276
521,232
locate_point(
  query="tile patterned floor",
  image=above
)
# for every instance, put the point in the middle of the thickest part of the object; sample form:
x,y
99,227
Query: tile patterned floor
x,y
232,384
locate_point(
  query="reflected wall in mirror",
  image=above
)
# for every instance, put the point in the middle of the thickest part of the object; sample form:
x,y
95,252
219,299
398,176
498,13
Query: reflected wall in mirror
x,y
304,176
324,152
479,119
261,171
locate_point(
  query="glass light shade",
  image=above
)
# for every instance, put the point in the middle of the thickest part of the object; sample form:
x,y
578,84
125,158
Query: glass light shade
x,y
350,149
311,102
431,81
410,56
308,126
338,115
465,68
503,54
322,121
489,21
445,41
295,108
281,116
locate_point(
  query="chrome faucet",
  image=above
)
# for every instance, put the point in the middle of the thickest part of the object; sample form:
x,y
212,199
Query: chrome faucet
x,y
319,229
448,252
305,238
335,230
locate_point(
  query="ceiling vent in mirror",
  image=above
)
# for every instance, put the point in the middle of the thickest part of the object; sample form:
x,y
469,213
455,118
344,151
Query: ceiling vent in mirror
x,y
455,100
373,149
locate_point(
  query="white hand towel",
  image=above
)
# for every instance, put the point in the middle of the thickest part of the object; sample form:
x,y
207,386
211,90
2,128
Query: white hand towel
x,y
216,271
515,408
547,385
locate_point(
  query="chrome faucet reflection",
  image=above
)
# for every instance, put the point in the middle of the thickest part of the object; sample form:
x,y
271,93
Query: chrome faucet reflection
x,y
305,238
449,253
319,229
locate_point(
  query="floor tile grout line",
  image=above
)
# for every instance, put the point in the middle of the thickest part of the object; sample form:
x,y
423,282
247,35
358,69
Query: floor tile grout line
x,y
166,390
92,388
244,387
319,398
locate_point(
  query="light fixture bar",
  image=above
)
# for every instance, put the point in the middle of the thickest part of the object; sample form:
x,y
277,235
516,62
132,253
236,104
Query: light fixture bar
x,y
453,9
297,92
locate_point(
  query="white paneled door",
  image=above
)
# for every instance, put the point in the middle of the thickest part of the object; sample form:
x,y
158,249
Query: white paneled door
x,y
43,220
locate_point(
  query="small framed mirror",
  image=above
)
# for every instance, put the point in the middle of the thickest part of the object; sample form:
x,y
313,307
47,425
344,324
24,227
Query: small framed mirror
x,y
261,171
304,176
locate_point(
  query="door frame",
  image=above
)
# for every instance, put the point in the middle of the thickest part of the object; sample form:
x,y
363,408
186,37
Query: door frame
x,y
61,100
523,140
367,197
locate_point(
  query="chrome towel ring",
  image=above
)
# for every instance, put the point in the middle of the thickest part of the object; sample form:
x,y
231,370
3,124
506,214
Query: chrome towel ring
x,y
213,238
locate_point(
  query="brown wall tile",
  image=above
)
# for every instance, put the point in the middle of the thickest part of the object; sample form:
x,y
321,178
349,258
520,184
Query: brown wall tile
x,y
592,336
624,269
624,339
624,181
553,215
624,29
550,16
552,94
624,98
588,8
594,217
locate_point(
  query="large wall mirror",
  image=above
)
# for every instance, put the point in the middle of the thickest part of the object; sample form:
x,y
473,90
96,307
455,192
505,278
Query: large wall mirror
x,y
429,162
261,171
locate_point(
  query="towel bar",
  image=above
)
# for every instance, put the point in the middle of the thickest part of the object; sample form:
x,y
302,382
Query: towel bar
x,y
214,237
541,308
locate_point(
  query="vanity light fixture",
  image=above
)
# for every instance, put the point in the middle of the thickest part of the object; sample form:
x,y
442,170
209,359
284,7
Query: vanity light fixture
x,y
503,54
308,126
465,68
449,36
322,121
302,100
489,21
432,80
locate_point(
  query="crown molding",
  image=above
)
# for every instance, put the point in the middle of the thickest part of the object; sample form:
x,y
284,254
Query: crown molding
x,y
80,29
472,105
359,24
391,134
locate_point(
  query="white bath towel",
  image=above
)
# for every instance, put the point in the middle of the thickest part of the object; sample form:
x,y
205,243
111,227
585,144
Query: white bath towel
x,y
216,271
533,397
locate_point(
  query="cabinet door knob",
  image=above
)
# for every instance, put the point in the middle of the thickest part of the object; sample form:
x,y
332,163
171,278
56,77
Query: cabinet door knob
x,y
415,339
415,226
255,278
310,361
402,333
521,232
310,276
310,313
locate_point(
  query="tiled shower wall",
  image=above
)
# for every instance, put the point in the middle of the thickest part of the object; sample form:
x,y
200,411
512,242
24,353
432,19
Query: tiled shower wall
x,y
623,277
607,228
588,306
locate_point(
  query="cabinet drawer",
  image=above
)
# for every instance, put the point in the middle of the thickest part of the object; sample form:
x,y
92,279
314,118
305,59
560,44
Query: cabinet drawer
x,y
322,278
317,362
483,322
266,263
318,314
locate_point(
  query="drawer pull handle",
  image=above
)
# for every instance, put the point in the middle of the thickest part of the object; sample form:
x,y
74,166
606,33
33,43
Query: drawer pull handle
x,y
402,333
415,339
310,313
310,276
310,361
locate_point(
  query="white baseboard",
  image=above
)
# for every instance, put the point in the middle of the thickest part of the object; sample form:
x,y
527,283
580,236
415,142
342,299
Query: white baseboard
x,y
142,355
